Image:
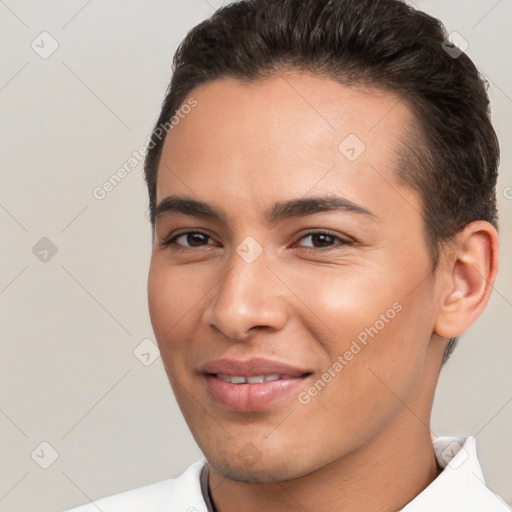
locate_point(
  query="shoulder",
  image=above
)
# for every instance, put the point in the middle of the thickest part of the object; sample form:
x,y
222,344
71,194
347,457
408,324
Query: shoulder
x,y
181,493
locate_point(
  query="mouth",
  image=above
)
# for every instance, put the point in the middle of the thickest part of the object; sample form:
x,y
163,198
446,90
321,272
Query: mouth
x,y
255,379
251,385
253,367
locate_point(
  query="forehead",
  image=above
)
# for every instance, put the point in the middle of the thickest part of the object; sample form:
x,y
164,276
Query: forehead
x,y
288,134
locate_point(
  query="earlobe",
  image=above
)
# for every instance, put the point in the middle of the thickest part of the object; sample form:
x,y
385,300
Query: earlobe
x,y
469,270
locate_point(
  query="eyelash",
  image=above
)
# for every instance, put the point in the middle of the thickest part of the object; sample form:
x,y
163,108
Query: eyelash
x,y
167,243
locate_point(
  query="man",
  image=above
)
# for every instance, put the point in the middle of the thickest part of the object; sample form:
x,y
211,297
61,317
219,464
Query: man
x,y
322,193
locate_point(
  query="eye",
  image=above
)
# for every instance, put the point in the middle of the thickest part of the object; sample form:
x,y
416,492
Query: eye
x,y
324,240
321,240
193,238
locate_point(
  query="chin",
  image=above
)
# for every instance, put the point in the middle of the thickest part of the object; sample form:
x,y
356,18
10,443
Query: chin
x,y
271,471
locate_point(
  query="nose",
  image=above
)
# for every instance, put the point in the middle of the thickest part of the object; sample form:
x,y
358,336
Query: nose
x,y
249,297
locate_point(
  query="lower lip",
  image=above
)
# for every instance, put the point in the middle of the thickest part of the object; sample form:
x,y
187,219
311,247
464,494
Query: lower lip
x,y
250,397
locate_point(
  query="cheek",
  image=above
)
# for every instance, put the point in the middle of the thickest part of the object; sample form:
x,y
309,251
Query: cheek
x,y
378,322
161,299
171,302
346,300
173,293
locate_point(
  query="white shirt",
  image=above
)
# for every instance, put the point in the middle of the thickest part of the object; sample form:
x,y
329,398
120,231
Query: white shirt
x,y
459,488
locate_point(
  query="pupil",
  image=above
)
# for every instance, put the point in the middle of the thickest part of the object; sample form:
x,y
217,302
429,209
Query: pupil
x,y
195,237
323,236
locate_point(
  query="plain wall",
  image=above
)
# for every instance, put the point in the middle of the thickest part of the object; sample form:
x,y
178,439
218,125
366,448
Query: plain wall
x,y
70,323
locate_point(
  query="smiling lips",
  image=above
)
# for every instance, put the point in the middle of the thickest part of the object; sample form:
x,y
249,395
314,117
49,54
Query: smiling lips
x,y
250,385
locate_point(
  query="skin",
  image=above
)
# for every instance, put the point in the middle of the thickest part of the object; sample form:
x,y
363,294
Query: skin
x,y
363,442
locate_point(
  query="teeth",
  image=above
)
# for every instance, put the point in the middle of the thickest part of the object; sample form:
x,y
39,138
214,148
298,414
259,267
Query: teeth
x,y
225,378
257,379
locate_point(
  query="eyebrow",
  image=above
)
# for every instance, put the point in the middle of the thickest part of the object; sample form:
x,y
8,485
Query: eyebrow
x,y
279,211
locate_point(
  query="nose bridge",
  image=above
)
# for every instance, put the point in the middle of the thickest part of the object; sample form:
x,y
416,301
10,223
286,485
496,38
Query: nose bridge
x,y
247,294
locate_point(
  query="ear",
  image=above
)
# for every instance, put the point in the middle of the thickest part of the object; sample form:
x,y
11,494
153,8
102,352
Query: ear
x,y
468,271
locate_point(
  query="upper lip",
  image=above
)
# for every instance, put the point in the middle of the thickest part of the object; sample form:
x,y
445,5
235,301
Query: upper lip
x,y
251,367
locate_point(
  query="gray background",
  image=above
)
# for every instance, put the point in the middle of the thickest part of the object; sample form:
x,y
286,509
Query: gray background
x,y
70,322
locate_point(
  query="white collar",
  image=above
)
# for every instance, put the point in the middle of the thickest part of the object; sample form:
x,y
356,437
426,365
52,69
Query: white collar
x,y
461,485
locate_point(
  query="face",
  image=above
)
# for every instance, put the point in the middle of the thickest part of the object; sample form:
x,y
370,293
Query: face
x,y
330,303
